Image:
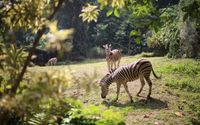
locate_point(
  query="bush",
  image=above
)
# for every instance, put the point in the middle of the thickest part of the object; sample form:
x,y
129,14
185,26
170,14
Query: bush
x,y
143,54
96,52
94,115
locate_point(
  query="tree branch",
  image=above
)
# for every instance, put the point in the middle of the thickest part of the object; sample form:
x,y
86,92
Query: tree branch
x,y
39,34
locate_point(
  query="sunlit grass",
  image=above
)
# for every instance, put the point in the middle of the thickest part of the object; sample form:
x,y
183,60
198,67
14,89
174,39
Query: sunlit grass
x,y
180,81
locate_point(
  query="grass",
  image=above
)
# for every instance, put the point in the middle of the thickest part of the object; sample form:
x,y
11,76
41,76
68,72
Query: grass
x,y
177,91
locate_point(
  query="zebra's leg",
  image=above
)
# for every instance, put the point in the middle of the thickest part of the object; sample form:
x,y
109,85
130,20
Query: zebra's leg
x,y
108,63
129,94
111,65
150,86
118,63
118,90
142,85
115,65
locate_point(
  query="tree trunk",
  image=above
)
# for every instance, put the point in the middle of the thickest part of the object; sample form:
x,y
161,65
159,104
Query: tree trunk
x,y
72,20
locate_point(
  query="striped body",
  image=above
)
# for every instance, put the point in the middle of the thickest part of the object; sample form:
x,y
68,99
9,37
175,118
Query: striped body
x,y
112,57
132,71
138,69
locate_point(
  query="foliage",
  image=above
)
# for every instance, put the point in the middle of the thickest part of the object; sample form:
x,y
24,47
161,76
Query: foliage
x,y
57,39
89,13
178,38
94,115
167,37
113,30
144,54
191,10
12,60
96,52
112,3
38,92
22,14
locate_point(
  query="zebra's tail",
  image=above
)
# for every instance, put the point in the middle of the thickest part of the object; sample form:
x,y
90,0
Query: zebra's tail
x,y
157,77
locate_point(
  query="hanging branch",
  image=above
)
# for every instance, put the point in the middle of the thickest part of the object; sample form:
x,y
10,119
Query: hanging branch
x,y
39,34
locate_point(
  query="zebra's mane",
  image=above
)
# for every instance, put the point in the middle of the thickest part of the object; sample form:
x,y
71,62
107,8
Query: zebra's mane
x,y
107,79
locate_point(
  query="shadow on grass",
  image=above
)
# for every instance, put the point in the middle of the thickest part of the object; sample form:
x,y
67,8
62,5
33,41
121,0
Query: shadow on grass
x,y
139,103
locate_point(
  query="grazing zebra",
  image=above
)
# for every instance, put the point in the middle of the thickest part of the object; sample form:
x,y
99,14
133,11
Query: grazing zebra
x,y
112,57
52,61
138,69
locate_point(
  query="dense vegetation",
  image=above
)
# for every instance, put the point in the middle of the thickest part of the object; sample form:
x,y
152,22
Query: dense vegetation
x,y
32,32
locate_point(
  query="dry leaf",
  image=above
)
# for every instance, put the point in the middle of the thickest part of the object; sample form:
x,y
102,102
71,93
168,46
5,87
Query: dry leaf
x,y
180,114
146,116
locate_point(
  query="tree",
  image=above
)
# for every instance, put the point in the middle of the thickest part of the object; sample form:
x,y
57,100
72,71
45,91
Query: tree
x,y
28,11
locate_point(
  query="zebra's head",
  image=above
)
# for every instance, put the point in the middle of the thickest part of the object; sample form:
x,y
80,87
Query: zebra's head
x,y
104,84
107,49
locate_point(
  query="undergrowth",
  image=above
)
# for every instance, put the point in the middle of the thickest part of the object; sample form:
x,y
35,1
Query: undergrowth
x,y
184,76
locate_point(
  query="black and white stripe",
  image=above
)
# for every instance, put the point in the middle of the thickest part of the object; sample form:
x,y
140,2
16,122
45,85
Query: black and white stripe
x,y
139,69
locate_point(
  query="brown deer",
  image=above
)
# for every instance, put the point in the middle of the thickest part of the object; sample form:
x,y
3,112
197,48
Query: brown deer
x,y
113,57
52,61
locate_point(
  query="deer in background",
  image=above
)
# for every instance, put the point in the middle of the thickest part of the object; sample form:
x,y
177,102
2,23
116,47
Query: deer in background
x,y
113,57
52,61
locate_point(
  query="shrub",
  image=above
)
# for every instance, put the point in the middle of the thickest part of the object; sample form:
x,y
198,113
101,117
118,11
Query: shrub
x,y
94,115
96,52
143,54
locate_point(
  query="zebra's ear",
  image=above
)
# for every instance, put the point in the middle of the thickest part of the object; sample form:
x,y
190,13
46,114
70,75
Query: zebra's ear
x,y
104,46
110,45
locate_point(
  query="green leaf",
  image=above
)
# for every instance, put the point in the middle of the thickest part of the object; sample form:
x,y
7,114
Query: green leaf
x,y
116,13
134,33
138,41
185,16
109,12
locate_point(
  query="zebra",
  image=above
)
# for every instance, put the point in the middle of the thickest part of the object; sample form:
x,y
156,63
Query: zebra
x,y
112,57
139,69
52,61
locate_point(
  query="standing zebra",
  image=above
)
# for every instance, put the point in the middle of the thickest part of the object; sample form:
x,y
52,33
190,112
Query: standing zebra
x,y
112,57
138,69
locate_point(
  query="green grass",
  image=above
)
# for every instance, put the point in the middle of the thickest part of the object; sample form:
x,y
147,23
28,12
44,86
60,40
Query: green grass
x,y
177,91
